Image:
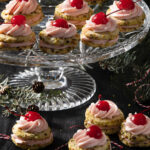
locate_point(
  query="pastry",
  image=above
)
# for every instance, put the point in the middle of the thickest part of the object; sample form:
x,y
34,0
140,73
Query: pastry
x,y
31,132
104,114
74,11
95,2
59,37
90,139
130,17
100,31
29,8
16,35
135,131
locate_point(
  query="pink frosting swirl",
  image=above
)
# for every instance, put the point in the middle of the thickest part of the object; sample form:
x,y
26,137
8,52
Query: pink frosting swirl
x,y
9,29
60,32
125,14
67,9
84,141
137,129
16,7
113,111
110,26
36,126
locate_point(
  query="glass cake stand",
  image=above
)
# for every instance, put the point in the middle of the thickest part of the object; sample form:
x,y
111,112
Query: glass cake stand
x,y
61,72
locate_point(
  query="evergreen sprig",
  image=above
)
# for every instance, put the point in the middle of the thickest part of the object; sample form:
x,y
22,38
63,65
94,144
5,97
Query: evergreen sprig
x,y
19,98
119,63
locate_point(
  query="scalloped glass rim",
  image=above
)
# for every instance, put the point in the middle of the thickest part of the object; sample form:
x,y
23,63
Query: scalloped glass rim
x,y
82,55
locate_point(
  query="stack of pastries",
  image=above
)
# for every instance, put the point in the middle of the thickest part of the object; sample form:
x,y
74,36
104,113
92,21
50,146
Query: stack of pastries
x,y
106,117
98,30
32,132
74,11
59,37
29,8
91,138
16,35
135,131
104,114
130,16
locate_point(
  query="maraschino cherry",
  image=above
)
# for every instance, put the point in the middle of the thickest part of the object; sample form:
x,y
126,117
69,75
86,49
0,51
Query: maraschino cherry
x,y
139,119
100,18
94,131
32,116
103,105
18,20
76,3
126,5
60,23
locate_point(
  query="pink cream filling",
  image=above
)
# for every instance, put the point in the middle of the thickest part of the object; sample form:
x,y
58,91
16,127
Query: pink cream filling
x,y
128,27
31,142
43,44
17,44
99,41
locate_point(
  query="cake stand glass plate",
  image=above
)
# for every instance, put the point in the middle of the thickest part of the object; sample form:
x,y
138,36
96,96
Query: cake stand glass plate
x,y
60,72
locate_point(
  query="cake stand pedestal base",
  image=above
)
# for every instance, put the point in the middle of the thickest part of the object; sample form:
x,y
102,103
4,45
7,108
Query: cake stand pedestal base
x,y
77,85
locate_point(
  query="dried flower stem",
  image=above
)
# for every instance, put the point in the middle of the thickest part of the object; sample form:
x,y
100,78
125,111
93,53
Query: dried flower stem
x,y
140,80
12,112
4,136
120,146
76,126
15,114
136,99
62,146
145,110
119,9
99,97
